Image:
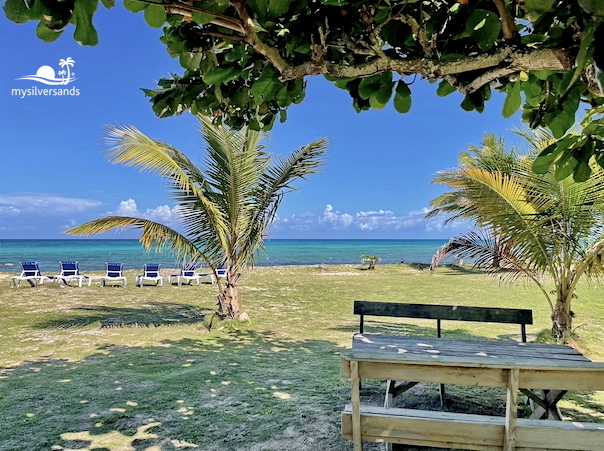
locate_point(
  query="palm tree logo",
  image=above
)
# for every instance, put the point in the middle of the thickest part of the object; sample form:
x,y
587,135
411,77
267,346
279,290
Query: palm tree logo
x,y
66,63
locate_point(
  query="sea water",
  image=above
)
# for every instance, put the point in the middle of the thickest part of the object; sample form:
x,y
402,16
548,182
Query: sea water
x,y
92,254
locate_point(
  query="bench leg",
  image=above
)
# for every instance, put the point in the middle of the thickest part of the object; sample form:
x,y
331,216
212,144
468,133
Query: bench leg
x,y
443,401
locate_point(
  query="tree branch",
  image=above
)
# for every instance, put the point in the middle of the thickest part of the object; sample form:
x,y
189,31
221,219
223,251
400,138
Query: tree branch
x,y
251,37
503,62
510,31
186,10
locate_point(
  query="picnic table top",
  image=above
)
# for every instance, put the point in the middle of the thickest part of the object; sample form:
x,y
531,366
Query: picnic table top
x,y
470,353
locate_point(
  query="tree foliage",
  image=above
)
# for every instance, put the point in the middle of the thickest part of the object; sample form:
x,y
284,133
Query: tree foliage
x,y
224,207
534,225
244,61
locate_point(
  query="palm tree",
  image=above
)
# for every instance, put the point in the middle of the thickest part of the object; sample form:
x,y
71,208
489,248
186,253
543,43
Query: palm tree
x,y
536,226
225,208
491,156
66,63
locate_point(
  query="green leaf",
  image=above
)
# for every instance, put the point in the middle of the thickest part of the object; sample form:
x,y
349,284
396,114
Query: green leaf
x,y
108,3
513,100
260,7
536,8
380,98
444,89
467,104
583,155
16,11
155,16
341,83
586,52
484,27
46,34
582,172
368,86
134,6
276,8
190,60
565,165
402,97
593,7
533,91
85,33
545,159
267,85
201,18
219,75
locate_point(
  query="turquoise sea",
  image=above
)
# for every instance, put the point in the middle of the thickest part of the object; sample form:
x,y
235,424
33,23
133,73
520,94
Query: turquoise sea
x,y
92,254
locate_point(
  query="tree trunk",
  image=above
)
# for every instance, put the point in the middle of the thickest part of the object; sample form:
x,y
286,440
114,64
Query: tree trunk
x,y
562,321
229,302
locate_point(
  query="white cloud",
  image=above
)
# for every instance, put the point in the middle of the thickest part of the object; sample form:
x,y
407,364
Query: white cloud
x,y
127,208
162,214
45,203
364,223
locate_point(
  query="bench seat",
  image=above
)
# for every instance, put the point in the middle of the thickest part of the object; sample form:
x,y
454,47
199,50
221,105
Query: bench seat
x,y
470,431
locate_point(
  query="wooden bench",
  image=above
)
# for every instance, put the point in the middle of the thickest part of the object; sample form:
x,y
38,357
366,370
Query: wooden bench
x,y
439,313
469,431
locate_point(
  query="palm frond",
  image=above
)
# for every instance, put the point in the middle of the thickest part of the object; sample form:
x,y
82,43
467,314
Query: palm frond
x,y
154,235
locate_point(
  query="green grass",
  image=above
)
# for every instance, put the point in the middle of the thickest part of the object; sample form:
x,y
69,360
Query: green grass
x,y
106,368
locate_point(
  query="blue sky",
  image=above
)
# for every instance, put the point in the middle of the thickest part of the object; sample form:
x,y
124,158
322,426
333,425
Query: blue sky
x,y
53,175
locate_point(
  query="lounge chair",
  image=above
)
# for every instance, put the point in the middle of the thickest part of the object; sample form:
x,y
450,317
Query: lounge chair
x,y
30,272
114,274
151,274
70,271
221,273
187,275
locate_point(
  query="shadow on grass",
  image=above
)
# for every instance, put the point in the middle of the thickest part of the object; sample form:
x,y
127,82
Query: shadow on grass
x,y
151,314
241,390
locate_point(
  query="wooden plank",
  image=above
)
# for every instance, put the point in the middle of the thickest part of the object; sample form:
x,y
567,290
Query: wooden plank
x,y
563,379
444,312
559,435
511,411
468,431
344,365
479,349
439,429
489,377
480,362
356,405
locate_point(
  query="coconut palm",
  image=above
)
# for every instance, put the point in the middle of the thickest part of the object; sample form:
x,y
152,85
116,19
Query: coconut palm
x,y
225,208
534,225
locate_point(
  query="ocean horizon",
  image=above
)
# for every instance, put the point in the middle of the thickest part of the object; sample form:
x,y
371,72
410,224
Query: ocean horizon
x,y
92,254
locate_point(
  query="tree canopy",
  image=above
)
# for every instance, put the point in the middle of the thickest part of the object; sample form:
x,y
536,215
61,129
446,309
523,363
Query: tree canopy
x,y
244,61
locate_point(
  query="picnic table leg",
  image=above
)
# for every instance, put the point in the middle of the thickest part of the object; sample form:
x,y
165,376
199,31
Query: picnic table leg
x,y
511,411
545,407
356,406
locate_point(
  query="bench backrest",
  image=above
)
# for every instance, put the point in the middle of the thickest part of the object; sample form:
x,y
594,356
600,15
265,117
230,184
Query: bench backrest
x,y
444,312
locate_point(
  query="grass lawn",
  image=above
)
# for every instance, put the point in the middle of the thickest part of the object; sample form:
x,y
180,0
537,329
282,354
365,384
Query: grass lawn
x,y
146,369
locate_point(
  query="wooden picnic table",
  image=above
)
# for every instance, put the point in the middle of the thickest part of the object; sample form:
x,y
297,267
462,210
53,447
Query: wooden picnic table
x,y
542,371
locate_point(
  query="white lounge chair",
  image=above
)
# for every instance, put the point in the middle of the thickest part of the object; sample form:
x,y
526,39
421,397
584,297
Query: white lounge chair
x,y
30,272
150,274
70,271
114,274
187,275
